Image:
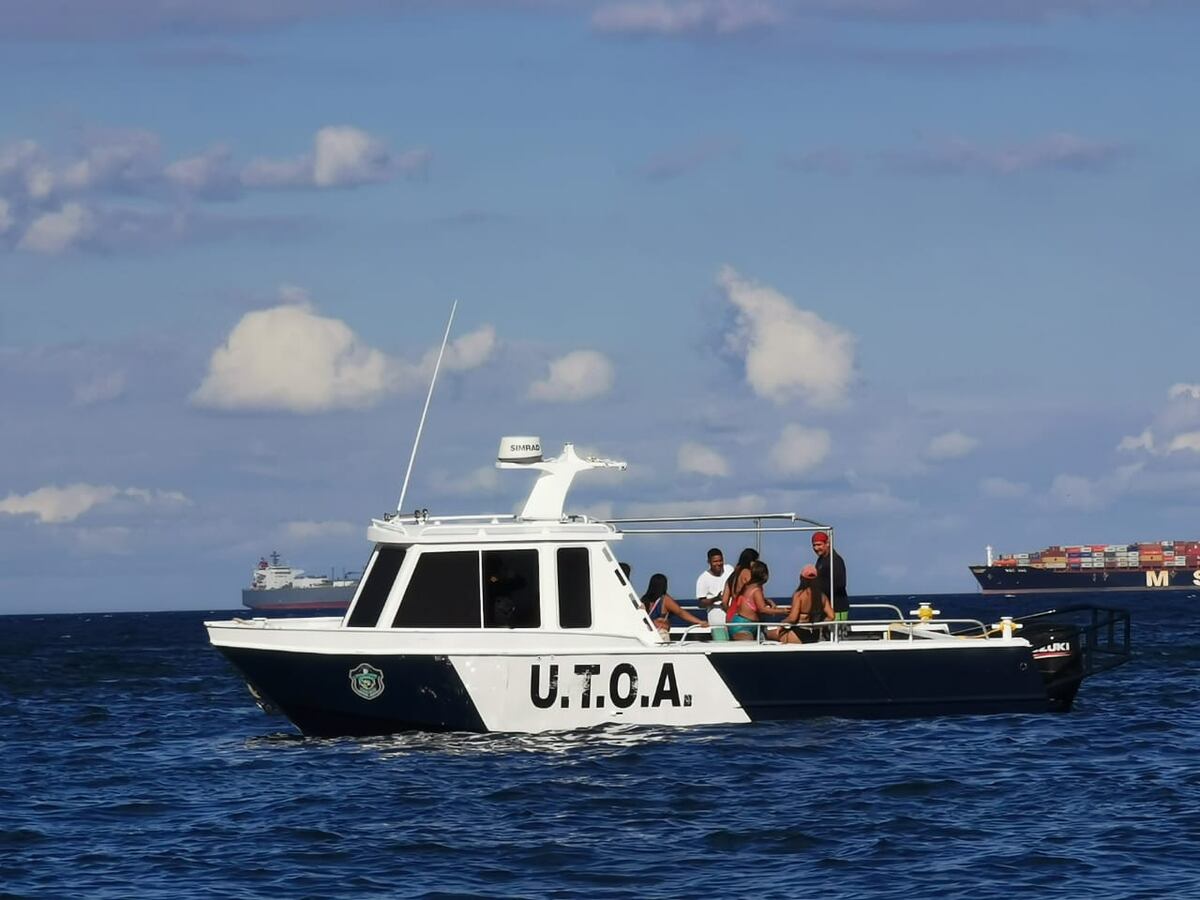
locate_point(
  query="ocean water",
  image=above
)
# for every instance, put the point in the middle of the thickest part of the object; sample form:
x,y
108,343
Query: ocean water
x,y
134,764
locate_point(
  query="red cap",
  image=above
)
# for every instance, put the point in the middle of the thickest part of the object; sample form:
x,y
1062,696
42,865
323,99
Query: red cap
x,y
808,573
820,537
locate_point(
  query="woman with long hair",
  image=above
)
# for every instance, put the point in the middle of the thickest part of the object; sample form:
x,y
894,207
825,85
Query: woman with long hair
x,y
737,578
751,604
809,606
660,605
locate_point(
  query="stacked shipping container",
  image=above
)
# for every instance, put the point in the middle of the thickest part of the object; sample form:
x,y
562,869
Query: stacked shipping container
x,y
1079,557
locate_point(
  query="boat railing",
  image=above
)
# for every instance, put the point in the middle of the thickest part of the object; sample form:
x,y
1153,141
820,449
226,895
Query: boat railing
x,y
424,516
847,630
1104,633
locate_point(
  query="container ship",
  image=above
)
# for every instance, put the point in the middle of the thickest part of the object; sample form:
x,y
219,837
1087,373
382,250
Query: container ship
x,y
1165,565
275,587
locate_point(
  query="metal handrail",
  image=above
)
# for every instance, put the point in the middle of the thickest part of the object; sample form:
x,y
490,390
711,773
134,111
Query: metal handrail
x,y
847,624
749,517
779,529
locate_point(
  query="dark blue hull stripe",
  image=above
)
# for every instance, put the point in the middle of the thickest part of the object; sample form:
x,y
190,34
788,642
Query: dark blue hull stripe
x,y
420,693
886,684
1014,579
318,693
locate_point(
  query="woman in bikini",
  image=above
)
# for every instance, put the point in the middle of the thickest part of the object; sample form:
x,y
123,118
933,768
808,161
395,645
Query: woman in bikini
x,y
809,605
736,582
660,605
751,604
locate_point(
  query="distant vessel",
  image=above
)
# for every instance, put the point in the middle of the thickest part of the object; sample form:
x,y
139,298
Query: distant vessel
x,y
1165,565
274,586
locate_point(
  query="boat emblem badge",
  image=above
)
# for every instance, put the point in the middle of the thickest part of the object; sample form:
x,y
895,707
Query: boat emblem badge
x,y
366,681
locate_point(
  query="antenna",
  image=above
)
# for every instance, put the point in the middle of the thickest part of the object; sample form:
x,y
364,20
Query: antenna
x,y
425,411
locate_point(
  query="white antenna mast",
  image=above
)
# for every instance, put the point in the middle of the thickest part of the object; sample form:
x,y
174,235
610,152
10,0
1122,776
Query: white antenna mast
x,y
425,411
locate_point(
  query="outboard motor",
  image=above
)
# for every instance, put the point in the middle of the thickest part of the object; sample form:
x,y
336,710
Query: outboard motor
x,y
1058,652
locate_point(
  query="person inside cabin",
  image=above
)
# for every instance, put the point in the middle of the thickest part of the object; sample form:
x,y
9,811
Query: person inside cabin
x,y
809,606
660,605
500,590
737,578
829,560
751,604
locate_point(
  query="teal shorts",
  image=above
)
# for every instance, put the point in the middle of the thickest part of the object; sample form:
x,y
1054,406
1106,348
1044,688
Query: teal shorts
x,y
742,629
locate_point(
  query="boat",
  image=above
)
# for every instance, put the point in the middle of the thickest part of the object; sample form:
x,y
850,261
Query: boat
x,y
275,587
526,623
1085,568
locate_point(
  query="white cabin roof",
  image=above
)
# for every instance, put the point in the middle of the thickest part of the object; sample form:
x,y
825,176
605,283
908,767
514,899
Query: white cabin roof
x,y
542,518
487,530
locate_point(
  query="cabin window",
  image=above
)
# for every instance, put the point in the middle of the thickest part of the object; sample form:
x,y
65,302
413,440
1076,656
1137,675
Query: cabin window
x,y
574,588
442,593
378,585
511,598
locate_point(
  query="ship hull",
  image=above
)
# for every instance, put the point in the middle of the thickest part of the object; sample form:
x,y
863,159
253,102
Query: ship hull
x,y
536,693
1027,579
292,599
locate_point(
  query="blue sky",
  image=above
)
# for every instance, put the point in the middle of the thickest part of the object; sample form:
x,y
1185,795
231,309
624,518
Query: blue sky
x,y
923,269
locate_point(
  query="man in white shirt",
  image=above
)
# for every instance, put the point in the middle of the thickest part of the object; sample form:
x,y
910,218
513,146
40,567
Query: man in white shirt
x,y
708,590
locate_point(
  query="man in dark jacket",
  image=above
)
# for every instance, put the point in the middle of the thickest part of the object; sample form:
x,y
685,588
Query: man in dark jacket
x,y
828,558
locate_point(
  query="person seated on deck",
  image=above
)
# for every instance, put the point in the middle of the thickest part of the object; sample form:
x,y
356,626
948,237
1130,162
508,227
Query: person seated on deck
x,y
660,605
809,606
752,604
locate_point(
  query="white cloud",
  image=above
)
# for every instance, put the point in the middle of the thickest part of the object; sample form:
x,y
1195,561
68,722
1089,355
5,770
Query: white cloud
x,y
701,460
579,375
100,389
114,160
209,174
292,359
301,531
1002,488
951,445
464,353
54,505
58,201
685,17
289,358
156,498
54,232
278,173
788,351
342,156
1188,441
800,449
1143,441
1060,151
1184,390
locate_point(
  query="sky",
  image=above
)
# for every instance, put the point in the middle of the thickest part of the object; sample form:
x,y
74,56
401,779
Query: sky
x,y
922,269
